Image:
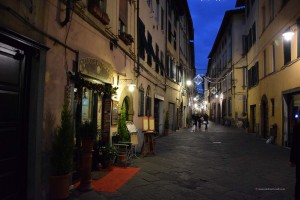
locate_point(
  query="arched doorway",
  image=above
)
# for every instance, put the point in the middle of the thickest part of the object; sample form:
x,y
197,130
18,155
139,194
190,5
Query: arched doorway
x,y
264,116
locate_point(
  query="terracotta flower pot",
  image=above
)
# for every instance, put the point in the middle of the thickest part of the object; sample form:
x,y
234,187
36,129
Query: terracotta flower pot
x,y
86,165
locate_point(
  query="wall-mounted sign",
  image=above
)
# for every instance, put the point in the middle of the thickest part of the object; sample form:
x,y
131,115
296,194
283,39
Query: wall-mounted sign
x,y
96,68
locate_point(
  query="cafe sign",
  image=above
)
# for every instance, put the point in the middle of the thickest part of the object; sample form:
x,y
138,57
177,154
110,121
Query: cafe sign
x,y
96,68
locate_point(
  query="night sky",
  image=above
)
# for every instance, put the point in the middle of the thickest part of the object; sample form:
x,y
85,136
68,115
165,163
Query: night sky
x,y
207,17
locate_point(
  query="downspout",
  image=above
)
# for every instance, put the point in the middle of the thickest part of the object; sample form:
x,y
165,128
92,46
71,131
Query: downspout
x,y
68,12
138,36
166,43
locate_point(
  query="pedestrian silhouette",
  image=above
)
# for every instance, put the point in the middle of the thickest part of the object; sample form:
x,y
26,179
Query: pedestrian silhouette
x,y
205,120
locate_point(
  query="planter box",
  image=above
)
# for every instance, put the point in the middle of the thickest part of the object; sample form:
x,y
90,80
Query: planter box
x,y
126,38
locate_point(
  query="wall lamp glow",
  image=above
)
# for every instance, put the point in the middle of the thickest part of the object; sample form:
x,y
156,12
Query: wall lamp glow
x,y
188,82
131,86
288,35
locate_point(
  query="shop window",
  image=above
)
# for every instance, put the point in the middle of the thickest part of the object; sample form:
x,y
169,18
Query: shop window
x,y
87,100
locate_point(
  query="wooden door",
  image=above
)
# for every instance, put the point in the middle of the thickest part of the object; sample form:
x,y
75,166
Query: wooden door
x,y
13,128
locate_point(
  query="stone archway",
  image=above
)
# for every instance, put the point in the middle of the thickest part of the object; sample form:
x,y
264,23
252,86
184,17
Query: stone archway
x,y
264,117
127,96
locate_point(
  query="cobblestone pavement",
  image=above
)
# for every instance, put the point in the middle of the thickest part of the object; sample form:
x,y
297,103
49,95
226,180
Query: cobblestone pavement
x,y
221,163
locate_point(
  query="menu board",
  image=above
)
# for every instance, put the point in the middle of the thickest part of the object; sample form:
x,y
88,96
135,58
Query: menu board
x,y
148,124
151,124
131,127
145,124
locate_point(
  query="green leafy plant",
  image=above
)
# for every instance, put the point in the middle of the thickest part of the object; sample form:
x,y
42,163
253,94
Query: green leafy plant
x,y
122,128
63,143
108,152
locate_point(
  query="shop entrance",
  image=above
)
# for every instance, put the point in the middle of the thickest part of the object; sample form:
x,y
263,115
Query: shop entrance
x,y
158,113
13,122
291,109
264,117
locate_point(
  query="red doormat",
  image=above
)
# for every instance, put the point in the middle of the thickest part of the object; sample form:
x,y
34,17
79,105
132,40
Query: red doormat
x,y
115,178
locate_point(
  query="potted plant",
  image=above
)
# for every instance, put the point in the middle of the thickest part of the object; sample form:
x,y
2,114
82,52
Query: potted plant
x,y
87,133
62,155
123,133
108,156
166,131
126,38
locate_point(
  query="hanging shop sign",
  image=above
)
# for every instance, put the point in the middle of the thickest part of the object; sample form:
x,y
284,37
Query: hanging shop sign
x,y
96,68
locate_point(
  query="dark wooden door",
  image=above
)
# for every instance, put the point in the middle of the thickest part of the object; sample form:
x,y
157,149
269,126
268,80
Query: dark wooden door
x,y
13,130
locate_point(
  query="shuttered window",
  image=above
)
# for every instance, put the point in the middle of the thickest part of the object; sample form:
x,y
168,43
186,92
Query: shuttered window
x,y
123,11
141,39
253,75
141,102
150,51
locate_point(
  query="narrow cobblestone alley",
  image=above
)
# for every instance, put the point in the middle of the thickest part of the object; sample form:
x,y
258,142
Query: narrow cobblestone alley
x,y
220,163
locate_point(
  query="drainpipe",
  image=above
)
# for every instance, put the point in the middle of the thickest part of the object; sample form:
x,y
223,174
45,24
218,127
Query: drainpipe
x,y
138,36
166,43
68,12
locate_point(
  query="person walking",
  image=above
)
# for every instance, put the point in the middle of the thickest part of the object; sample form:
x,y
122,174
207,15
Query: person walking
x,y
205,120
295,157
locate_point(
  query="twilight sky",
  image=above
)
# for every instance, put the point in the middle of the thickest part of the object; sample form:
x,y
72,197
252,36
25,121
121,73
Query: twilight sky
x,y
207,17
